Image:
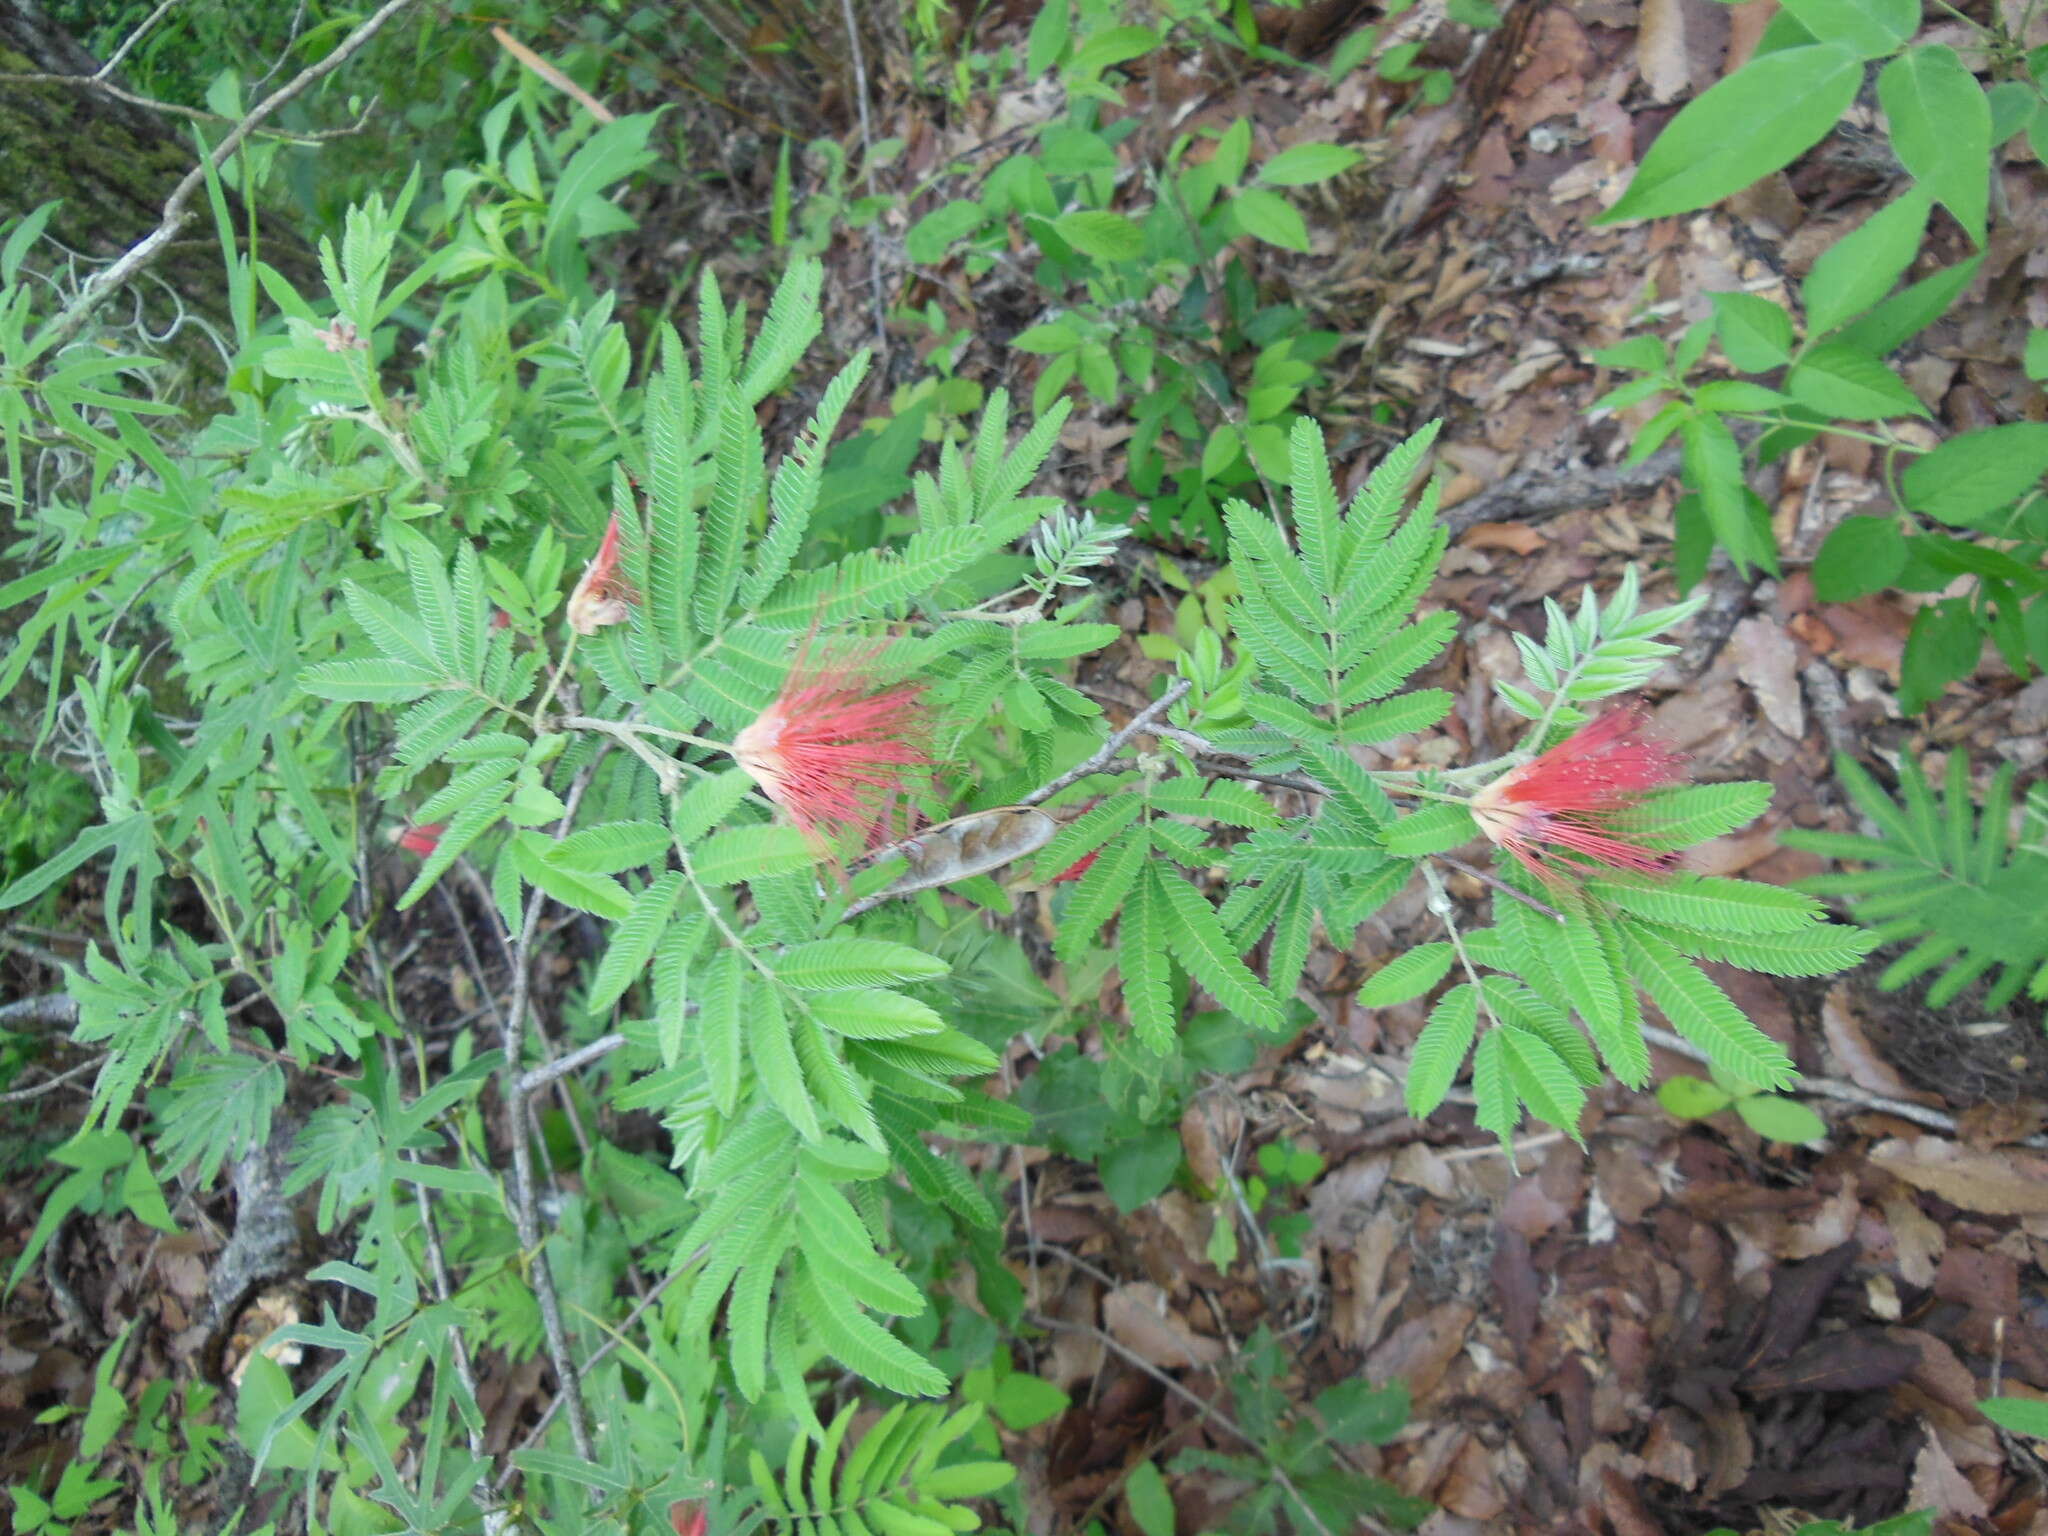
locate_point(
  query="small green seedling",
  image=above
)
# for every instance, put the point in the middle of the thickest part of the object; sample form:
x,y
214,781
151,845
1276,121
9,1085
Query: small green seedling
x,y
1772,1116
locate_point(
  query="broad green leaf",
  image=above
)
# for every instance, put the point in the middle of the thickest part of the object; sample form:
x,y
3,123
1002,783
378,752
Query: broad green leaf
x,y
1941,130
1969,477
1911,310
1776,1118
1101,234
1756,121
1943,645
1861,555
1108,48
1755,333
932,236
2021,1415
1047,39
1873,28
1692,1098
1150,1504
1837,379
1268,216
1301,165
1856,271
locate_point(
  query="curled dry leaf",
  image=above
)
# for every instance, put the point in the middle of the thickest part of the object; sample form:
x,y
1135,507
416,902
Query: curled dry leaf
x,y
1842,1022
1138,1318
2005,1183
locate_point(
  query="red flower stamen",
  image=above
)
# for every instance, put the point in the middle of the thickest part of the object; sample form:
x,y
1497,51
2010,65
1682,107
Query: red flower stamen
x,y
422,840
1558,808
835,749
602,595
1078,868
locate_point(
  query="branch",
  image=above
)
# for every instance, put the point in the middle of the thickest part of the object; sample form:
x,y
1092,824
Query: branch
x,y
562,1066
51,1010
525,1206
97,289
1106,754
1834,1088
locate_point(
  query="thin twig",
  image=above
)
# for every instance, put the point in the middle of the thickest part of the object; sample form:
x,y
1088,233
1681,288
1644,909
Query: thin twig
x,y
98,288
525,1209
1494,882
562,1066
596,1358
1102,757
22,1095
51,1009
867,166
1834,1088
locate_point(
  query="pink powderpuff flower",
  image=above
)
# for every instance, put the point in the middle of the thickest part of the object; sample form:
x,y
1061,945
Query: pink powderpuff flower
x,y
422,840
1558,808
836,750
602,594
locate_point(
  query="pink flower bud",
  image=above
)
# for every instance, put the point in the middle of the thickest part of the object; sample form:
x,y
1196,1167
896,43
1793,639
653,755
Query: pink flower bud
x,y
602,595
422,840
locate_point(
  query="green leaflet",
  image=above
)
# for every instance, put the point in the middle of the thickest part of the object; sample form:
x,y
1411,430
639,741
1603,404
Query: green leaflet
x,y
1542,1080
844,964
1498,1109
1440,1049
1197,937
1106,885
1141,956
633,941
1702,1013
1407,976
720,1000
1710,903
766,1030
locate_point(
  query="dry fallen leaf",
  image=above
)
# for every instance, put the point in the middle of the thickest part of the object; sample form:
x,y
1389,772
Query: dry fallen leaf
x,y
1842,1022
1138,1318
2006,1183
1767,660
1939,1485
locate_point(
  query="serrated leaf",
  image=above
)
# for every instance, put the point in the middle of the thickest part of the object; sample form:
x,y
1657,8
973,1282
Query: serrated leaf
x,y
1141,958
633,941
1543,1081
1440,1049
1702,1012
1197,937
842,964
1407,976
